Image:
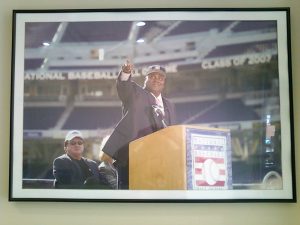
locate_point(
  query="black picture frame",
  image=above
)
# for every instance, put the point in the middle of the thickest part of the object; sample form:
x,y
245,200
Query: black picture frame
x,y
233,63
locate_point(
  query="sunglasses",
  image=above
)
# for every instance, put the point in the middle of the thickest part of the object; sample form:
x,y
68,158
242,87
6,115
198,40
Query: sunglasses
x,y
76,142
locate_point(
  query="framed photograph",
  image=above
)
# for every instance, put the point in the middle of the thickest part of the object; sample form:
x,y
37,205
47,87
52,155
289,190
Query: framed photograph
x,y
152,105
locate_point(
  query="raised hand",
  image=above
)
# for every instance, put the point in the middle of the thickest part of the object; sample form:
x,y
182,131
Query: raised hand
x,y
127,67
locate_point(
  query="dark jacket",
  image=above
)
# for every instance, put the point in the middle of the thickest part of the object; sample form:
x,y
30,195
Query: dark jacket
x,y
138,120
69,174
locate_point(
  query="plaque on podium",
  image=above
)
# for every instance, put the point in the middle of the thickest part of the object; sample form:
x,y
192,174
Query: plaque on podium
x,y
208,161
181,158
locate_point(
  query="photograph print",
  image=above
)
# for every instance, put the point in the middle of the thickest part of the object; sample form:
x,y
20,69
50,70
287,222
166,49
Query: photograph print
x,y
151,105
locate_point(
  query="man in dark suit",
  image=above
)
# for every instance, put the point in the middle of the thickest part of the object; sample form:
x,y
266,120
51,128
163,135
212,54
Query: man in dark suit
x,y
144,112
72,170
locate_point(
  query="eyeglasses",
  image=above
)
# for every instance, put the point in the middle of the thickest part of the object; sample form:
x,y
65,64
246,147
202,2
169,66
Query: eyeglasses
x,y
76,142
156,76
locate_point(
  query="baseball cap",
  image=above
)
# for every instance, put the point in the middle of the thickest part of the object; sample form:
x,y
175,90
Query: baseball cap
x,y
157,69
72,134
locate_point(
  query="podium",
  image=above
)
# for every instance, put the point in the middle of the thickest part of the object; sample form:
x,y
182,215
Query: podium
x,y
181,157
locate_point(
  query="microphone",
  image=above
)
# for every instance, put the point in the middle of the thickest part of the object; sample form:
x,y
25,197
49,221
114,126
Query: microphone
x,y
159,115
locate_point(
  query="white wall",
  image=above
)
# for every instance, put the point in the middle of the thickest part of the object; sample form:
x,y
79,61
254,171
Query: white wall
x,y
46,213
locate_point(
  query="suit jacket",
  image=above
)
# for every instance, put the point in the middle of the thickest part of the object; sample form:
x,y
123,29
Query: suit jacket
x,y
138,118
68,174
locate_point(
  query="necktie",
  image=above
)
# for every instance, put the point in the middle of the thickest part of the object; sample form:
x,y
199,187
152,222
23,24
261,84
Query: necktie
x,y
160,105
160,115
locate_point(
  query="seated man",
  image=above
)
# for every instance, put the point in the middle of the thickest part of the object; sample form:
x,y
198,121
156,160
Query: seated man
x,y
72,170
